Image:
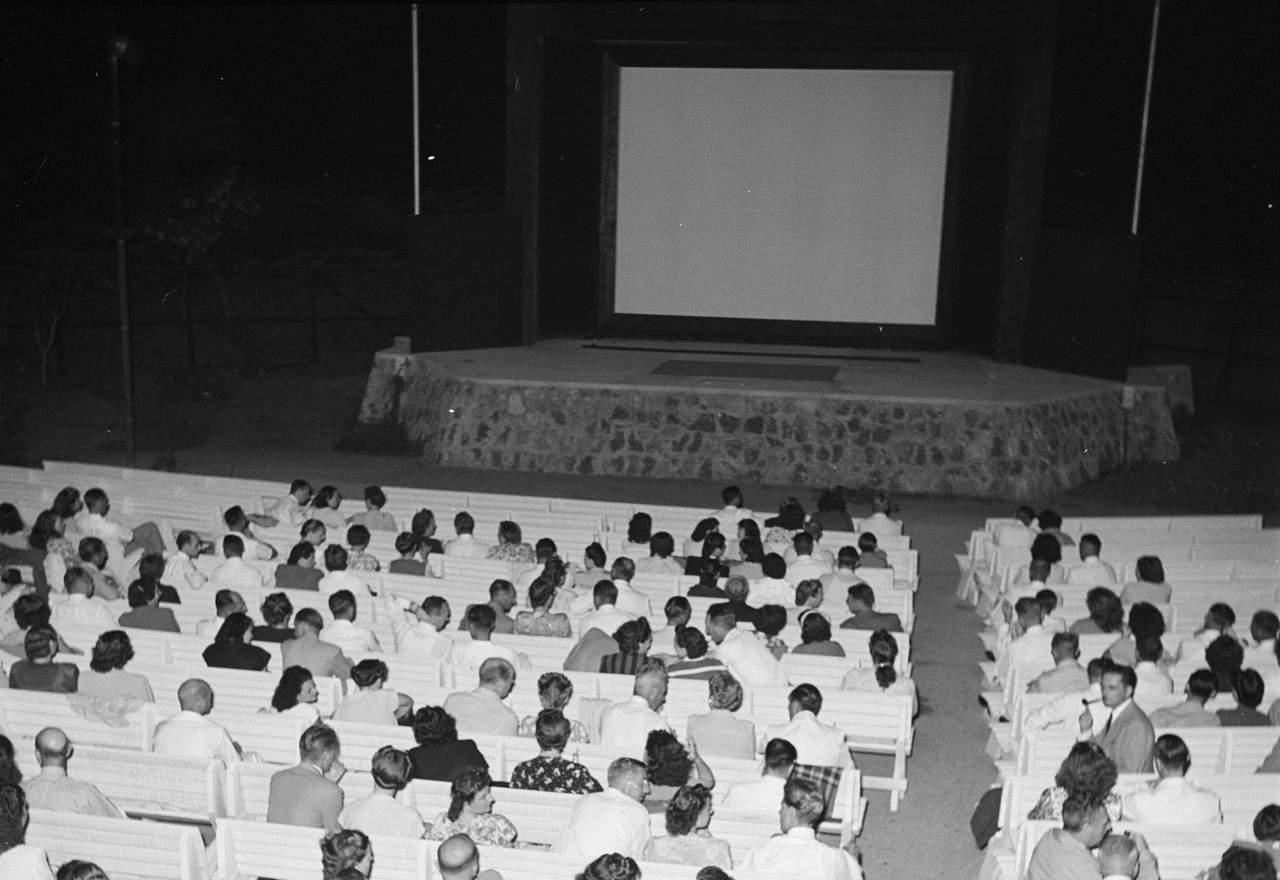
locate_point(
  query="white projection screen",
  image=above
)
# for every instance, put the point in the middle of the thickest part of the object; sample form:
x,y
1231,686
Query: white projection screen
x,y
770,194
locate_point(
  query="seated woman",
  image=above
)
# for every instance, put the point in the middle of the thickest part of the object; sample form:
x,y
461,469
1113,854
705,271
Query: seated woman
x,y
359,558
751,563
691,648
688,842
341,851
713,546
593,569
324,507
276,611
882,677
38,672
770,621
471,812
371,704
314,533
232,647
1106,614
693,545
540,621
671,767
144,604
780,529
718,733
634,639
550,771
440,755
410,561
1046,548
708,586
107,677
555,690
296,694
1150,586
19,859
1086,773
1145,620
639,533
613,866
511,545
13,531
150,571
30,610
48,538
833,511
660,561
815,637
300,572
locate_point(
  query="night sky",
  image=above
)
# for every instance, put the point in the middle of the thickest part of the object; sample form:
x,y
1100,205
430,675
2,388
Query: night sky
x,y
318,97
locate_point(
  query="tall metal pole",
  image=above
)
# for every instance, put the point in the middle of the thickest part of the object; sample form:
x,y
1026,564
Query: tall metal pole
x,y
121,234
1146,113
417,148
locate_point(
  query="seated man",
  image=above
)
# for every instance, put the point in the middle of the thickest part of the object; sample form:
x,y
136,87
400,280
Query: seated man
x,y
613,820
861,601
458,859
1030,653
659,561
417,627
465,544
93,560
1092,571
1261,655
471,654
1248,689
80,606
737,589
744,655
713,547
1019,533
380,812
373,518
1218,621
1067,675
502,598
339,578
606,617
190,733
763,796
815,743
93,522
1172,799
179,569
797,852
292,508
1067,852
238,524
482,710
52,789
733,512
306,649
308,794
630,600
869,553
843,577
805,566
344,632
225,603
1154,684
1201,688
1127,737
625,726
373,704
235,573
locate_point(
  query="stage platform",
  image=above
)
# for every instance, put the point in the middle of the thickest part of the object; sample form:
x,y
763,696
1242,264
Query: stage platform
x,y
927,422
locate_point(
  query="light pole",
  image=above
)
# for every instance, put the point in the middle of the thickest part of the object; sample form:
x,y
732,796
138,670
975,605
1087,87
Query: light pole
x,y
121,48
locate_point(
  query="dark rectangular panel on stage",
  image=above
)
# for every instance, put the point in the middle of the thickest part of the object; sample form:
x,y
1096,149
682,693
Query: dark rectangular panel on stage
x,y
747,370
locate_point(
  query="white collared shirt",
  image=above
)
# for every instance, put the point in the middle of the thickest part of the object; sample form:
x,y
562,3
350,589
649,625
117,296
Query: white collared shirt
x,y
631,600
77,609
815,742
750,661
350,637
467,547
806,568
760,797
772,591
625,726
604,822
180,571
191,735
1173,801
606,618
1092,572
98,526
799,853
380,813
236,574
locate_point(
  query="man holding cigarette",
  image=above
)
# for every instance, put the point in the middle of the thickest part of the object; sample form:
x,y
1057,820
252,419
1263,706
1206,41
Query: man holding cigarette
x,y
1127,736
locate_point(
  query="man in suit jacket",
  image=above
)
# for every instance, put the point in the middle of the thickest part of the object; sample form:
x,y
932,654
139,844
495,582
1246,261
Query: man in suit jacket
x,y
306,649
308,794
1128,737
861,601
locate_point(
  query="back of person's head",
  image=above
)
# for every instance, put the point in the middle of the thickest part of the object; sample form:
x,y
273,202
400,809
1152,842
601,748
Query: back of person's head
x,y
312,527
622,770
1244,863
802,542
1104,607
1145,619
1224,655
605,593
722,616
233,518
289,688
481,619
77,580
677,608
1221,616
375,496
1076,812
847,557
1065,645
1028,610
317,740
1038,570
1266,825
662,545
1096,667
807,589
779,754
805,798
544,549
1148,648
771,620
666,760
392,768
232,546
1049,519
300,551
731,496
151,567
342,605
806,698
684,808
1264,625
369,672
65,502
91,549
298,485
1090,544
464,523
276,609
335,557
1048,600
1117,854
1150,569
458,858
1171,752
40,642
1086,773
500,588
555,689
711,872
79,869
308,620
714,542
1047,547
862,594
623,569
30,610
611,866
640,528
1202,684
706,526
815,629
724,692
509,532
541,593
325,497
628,637
433,726
341,851
13,815
495,672
552,730
868,542
112,651
406,544
774,566
737,588
751,550
1248,688
358,536
141,592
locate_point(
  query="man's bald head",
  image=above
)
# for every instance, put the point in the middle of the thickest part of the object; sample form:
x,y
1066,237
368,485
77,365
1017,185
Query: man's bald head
x,y
195,695
651,684
52,747
459,859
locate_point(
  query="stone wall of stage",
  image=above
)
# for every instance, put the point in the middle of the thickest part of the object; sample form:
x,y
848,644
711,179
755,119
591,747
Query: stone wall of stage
x,y
985,450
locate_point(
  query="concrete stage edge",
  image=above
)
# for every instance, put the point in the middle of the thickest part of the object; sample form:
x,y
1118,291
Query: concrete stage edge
x,y
922,422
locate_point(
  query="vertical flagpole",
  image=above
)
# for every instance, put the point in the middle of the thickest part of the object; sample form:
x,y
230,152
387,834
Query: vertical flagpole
x,y
1146,113
417,148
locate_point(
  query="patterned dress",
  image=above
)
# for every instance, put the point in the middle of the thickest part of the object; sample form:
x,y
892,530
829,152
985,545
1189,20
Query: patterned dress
x,y
360,561
513,553
554,774
487,830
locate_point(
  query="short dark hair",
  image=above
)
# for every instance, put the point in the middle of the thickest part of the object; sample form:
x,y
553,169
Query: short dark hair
x,y
309,618
722,613
1145,619
1222,614
803,543
335,557
1245,863
358,536
863,593
773,566
771,619
807,697
1065,639
482,617
731,495
368,672
1090,544
1150,569
112,651
30,610
1266,825
142,592
91,547
1148,648
463,522
232,545
342,602
814,629
1172,751
1249,688
712,542
779,753
606,591
276,609
692,640
375,496
316,740
1203,684
233,516
662,545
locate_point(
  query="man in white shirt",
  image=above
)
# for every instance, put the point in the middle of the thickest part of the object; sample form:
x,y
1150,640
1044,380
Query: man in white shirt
x,y
380,812
625,726
613,820
773,588
179,569
797,852
815,743
190,733
1261,654
1154,684
420,637
225,603
473,653
879,523
338,578
820,554
659,560
843,577
292,508
482,710
805,565
238,524
1172,799
1092,571
1031,652
748,658
1067,675
630,600
763,797
93,522
1218,620
1065,710
465,544
344,632
78,606
733,512
607,617
1017,534
235,573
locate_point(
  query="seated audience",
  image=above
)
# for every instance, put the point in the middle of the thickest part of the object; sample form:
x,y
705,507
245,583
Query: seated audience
x,y
340,577
550,771
423,527
806,563
372,704
1068,851
809,597
1024,645
659,561
1248,689
712,550
276,613
625,726
191,733
737,589
324,507
511,546
763,796
465,544
1050,523
106,677
410,562
611,821
471,654
1106,614
630,600
440,755
882,677
670,766
748,658
308,794
718,733
300,572
691,651
225,602
344,854
843,577
540,621
1067,675
1145,620
151,570
458,859
1263,629
773,588
306,648
586,577
797,852
816,743
833,512
296,694
1127,737
771,620
417,627
291,509
1172,799
634,639
373,518
707,586
861,602
314,533
17,858
234,573
39,672
93,560
81,605
502,598
30,610
380,812
1150,586
815,638
613,866
688,842
53,789
344,632
145,611
750,564
471,812
1218,621
869,553
1265,843
1154,684
555,690
639,533
233,646
1201,688
1092,571
482,710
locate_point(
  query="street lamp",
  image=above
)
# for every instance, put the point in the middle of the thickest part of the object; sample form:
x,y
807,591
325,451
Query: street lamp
x,y
122,48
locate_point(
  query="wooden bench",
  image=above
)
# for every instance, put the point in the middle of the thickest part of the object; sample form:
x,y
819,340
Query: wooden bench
x,y
124,848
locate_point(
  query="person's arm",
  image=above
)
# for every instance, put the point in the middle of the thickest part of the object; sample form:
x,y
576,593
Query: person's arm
x,y
332,801
701,772
404,708
342,666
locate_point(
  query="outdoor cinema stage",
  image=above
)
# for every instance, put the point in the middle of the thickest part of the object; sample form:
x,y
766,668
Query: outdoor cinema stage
x,y
900,421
